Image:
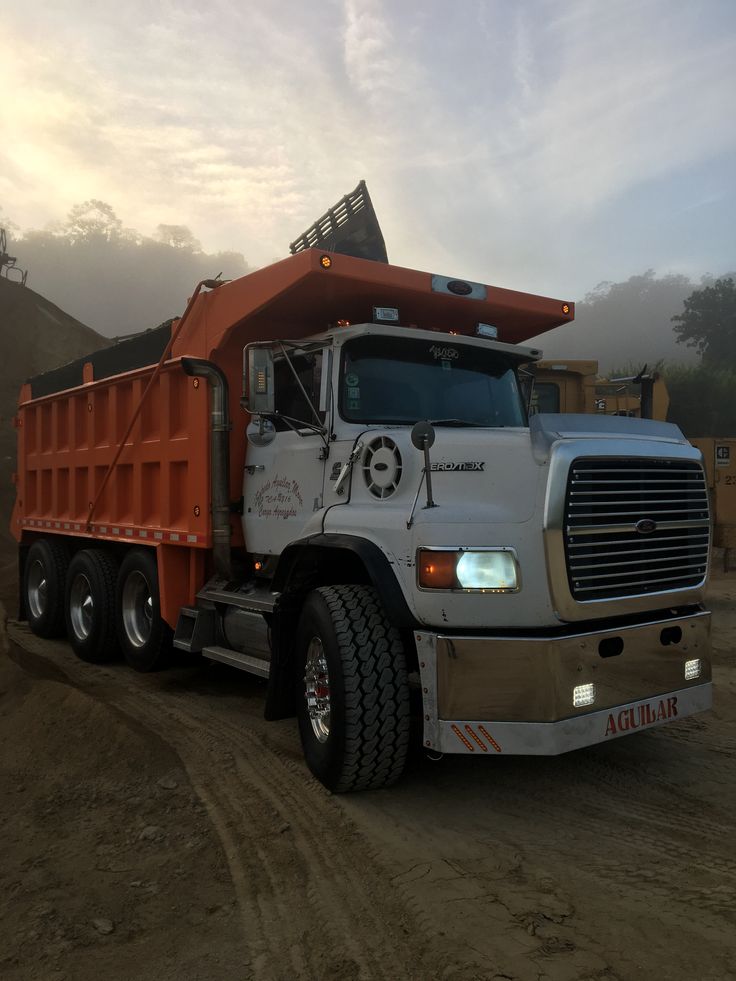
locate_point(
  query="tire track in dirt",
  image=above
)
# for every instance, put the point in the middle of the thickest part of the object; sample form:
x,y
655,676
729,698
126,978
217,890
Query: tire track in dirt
x,y
643,843
315,900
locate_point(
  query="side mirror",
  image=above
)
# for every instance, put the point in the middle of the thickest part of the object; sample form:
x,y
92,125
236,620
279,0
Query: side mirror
x,y
258,383
422,435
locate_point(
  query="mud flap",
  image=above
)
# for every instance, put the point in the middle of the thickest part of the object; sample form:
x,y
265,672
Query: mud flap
x,y
280,698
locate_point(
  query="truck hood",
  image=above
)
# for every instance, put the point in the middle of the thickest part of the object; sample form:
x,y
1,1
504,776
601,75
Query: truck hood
x,y
477,475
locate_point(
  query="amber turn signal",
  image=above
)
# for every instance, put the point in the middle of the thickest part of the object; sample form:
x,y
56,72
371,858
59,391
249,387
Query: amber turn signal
x,y
437,569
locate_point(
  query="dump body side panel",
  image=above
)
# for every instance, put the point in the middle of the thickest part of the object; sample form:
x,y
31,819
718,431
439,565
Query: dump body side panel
x,y
159,490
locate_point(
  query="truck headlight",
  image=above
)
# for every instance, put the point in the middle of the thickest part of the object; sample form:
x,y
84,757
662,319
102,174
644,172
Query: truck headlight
x,y
493,570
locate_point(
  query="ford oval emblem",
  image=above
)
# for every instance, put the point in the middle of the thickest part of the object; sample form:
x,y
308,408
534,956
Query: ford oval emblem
x,y
459,287
646,526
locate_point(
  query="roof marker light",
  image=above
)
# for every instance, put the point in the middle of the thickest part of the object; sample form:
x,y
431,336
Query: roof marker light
x,y
386,315
565,307
486,330
325,261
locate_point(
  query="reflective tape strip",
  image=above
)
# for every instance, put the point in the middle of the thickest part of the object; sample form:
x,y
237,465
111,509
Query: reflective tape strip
x,y
476,737
490,738
145,533
462,739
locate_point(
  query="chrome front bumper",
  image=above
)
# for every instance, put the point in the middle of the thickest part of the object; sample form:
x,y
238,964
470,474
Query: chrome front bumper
x,y
515,694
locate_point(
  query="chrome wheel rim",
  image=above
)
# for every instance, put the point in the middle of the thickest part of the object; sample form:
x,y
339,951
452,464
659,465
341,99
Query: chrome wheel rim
x,y
137,609
81,606
317,689
37,590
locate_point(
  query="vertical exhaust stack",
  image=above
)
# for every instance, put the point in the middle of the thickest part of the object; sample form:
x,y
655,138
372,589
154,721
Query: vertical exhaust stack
x,y
219,460
349,228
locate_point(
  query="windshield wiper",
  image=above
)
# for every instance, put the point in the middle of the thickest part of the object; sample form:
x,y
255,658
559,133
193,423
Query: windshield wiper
x,y
458,423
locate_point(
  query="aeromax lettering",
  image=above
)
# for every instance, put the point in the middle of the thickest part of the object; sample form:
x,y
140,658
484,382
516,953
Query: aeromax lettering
x,y
473,465
643,715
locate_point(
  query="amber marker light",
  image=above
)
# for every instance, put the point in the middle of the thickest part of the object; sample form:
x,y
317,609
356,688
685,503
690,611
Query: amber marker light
x,y
565,307
343,323
437,569
325,261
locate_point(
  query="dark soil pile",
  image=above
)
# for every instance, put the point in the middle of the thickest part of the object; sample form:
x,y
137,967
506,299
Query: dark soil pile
x,y
35,335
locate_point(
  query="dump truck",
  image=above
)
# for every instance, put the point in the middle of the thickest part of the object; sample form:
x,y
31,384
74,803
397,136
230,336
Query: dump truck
x,y
719,454
324,474
576,386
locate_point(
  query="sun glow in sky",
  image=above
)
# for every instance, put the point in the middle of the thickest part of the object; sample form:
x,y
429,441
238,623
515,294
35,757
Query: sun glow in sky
x,y
538,144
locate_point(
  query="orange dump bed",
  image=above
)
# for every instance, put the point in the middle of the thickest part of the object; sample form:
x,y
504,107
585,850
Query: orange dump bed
x,y
159,490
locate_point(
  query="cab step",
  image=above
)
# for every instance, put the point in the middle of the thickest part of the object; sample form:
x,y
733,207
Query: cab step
x,y
195,629
244,662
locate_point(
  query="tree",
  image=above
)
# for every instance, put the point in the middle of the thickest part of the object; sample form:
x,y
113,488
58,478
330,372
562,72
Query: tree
x,y
10,226
178,236
701,399
93,220
708,322
626,321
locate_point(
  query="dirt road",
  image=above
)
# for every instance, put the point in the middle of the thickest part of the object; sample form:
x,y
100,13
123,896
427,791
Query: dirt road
x,y
157,827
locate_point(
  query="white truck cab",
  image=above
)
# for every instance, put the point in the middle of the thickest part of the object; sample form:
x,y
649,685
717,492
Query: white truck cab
x,y
551,575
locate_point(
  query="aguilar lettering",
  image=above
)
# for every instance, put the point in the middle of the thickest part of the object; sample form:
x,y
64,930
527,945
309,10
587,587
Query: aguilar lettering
x,y
641,716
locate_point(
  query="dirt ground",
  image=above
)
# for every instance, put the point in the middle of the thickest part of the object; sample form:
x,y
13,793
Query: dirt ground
x,y
155,827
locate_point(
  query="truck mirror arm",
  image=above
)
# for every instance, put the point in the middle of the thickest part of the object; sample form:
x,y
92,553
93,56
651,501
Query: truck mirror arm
x,y
422,436
294,424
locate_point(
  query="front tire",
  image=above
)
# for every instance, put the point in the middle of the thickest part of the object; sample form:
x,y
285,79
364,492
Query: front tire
x,y
144,637
90,605
352,690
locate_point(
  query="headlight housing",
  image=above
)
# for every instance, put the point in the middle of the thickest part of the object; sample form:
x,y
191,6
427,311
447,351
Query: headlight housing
x,y
484,570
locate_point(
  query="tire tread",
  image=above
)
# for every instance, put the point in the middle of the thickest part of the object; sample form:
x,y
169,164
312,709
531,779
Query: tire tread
x,y
53,623
104,569
376,689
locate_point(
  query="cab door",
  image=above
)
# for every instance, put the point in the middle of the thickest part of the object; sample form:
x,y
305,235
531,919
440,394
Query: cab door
x,y
285,458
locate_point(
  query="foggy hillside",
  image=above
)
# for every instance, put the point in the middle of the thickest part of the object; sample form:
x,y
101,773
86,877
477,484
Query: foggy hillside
x,y
35,335
113,277
122,286
620,323
121,282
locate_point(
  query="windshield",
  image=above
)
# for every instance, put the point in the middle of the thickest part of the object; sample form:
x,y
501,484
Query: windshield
x,y
395,380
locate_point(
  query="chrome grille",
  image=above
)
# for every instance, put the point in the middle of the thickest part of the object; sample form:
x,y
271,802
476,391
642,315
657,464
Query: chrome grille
x,y
635,526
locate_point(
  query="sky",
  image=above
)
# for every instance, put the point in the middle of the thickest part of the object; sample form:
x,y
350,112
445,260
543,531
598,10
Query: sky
x,y
542,145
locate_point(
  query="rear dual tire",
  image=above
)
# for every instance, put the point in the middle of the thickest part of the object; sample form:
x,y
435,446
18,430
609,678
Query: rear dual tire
x,y
44,585
90,605
143,635
104,607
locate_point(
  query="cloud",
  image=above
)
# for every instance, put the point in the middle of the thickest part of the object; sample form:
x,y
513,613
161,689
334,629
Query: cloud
x,y
497,140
